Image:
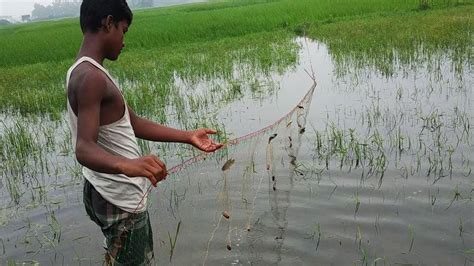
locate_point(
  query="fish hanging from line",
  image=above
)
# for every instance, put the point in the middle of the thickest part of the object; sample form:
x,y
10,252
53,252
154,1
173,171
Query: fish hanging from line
x,y
228,164
272,137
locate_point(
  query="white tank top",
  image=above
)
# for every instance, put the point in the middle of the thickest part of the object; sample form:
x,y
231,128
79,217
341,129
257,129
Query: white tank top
x,y
118,138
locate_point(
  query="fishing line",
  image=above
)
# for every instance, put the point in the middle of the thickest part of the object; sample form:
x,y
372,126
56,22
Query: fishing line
x,y
297,108
210,240
232,142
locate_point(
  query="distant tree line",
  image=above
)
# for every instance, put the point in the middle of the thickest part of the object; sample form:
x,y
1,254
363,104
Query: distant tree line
x,y
140,3
61,9
4,22
58,9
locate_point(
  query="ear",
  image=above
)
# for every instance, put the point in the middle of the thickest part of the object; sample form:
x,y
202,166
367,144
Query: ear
x,y
108,23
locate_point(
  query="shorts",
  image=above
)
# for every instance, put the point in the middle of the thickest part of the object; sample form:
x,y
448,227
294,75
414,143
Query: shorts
x,y
128,236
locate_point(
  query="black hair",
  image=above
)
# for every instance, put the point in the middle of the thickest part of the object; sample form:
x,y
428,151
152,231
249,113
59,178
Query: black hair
x,y
94,11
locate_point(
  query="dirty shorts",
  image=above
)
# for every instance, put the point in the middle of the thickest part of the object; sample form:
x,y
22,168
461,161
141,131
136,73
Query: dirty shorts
x,y
128,236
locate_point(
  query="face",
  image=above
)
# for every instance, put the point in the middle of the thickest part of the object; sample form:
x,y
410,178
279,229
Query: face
x,y
115,42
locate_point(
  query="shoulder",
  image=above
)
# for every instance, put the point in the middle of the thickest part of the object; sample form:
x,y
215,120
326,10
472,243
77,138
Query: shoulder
x,y
86,73
87,79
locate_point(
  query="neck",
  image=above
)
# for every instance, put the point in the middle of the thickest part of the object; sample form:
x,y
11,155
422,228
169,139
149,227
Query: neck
x,y
92,47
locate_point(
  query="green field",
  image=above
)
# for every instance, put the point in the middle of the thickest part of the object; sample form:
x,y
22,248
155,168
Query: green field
x,y
204,40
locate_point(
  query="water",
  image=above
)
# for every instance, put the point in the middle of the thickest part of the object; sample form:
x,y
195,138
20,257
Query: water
x,y
389,182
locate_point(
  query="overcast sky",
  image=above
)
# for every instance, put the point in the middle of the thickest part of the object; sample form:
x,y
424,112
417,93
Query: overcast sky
x,y
16,8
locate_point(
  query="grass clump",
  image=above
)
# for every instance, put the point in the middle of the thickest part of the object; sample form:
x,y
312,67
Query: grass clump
x,y
401,41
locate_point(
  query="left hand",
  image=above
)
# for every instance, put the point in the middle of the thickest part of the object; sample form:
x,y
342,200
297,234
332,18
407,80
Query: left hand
x,y
200,140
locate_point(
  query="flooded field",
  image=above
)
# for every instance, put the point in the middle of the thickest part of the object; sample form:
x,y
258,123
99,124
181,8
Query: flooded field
x,y
373,167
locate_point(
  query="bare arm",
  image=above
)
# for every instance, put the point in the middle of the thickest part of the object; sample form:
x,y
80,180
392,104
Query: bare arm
x,y
92,92
146,129
149,130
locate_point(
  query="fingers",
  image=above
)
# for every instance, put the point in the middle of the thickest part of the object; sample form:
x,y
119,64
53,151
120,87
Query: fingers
x,y
155,162
212,147
156,167
155,170
202,141
205,145
151,177
210,131
217,146
159,162
148,166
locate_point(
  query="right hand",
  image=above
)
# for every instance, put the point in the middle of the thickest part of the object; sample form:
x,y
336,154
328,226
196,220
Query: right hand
x,y
147,166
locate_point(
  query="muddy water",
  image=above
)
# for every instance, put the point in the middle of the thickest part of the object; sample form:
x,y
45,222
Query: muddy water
x,y
409,200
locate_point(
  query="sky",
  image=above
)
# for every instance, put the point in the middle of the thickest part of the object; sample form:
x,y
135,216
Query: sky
x,y
16,8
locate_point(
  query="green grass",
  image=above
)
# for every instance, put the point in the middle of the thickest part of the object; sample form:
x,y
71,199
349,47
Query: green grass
x,y
205,41
392,42
59,40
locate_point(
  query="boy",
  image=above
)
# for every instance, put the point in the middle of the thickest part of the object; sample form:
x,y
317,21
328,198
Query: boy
x,y
104,131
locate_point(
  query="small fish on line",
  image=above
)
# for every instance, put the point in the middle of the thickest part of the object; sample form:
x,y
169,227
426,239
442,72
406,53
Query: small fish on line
x,y
272,137
228,164
293,160
225,214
